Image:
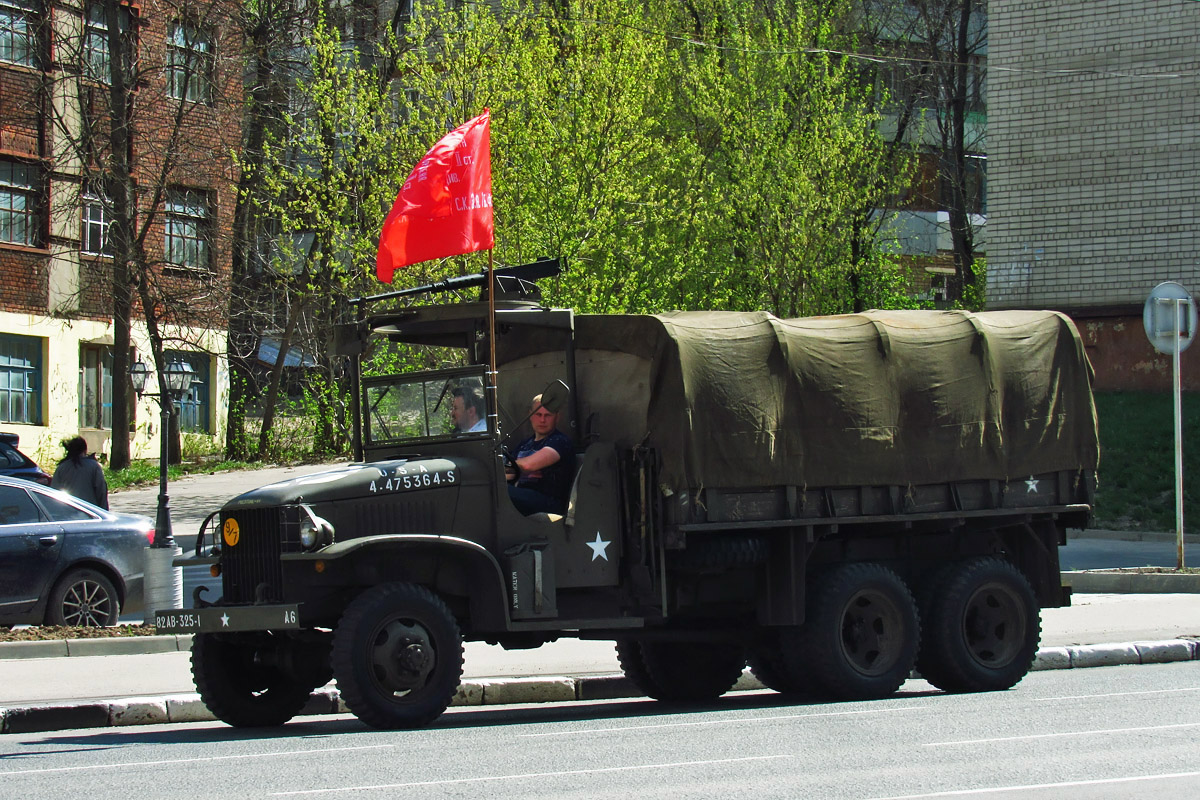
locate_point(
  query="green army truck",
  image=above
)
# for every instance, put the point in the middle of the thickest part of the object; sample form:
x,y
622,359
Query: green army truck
x,y
834,501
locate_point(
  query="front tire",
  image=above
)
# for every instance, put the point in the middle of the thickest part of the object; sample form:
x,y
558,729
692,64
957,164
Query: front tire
x,y
239,686
981,626
83,598
397,656
860,639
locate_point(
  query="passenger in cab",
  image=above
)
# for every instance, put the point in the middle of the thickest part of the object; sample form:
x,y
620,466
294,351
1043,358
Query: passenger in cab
x,y
545,466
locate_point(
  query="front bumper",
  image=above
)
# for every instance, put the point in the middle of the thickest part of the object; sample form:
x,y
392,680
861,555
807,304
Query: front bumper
x,y
228,619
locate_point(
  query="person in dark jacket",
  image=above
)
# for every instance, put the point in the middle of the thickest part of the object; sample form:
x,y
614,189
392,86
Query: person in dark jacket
x,y
80,475
545,466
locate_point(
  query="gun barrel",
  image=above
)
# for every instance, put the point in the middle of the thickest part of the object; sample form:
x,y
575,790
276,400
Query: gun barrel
x,y
542,268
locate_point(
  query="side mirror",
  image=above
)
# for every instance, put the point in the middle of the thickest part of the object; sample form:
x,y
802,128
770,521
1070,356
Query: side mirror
x,y
555,396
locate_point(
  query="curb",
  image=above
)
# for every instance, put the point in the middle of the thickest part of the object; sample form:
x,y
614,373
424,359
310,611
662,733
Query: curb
x,y
507,691
107,646
1114,582
1132,536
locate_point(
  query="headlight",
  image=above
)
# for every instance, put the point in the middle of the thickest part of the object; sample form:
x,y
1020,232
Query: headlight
x,y
315,532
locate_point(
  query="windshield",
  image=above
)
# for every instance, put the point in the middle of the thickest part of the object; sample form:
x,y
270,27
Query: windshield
x,y
424,406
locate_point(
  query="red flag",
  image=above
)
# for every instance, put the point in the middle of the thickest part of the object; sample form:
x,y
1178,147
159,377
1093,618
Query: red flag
x,y
445,206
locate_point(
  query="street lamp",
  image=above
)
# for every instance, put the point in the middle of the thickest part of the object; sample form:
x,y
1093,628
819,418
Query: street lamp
x,y
163,583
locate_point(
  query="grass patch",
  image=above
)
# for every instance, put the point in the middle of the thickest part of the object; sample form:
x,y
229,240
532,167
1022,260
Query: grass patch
x,y
1137,461
145,473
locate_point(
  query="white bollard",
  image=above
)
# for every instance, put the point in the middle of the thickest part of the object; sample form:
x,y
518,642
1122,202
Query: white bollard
x,y
163,582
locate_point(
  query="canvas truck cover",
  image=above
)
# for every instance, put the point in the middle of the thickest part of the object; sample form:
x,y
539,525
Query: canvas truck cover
x,y
740,400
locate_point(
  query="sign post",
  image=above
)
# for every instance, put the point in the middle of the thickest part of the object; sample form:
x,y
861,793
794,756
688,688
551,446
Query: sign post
x,y
1169,317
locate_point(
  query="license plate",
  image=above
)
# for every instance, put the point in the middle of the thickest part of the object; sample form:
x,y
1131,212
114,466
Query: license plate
x,y
227,618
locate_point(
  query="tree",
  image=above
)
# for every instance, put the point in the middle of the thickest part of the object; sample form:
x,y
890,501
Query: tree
x,y
687,155
935,50
132,122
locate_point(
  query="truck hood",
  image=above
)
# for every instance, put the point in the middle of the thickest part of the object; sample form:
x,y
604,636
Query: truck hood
x,y
357,480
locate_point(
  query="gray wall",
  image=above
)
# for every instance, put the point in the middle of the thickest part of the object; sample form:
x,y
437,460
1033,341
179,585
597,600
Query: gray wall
x,y
1094,131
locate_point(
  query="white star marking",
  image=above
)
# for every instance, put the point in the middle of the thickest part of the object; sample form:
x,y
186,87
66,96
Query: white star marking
x,y
1030,485
598,547
225,620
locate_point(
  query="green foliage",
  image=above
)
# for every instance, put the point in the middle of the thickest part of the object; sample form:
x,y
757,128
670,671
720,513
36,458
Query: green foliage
x,y
975,295
143,473
195,446
707,155
1137,460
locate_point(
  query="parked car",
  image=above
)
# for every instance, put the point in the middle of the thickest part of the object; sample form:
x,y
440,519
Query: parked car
x,y
64,561
18,465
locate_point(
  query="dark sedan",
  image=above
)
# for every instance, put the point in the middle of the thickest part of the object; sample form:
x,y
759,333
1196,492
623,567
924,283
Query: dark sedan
x,y
16,464
64,561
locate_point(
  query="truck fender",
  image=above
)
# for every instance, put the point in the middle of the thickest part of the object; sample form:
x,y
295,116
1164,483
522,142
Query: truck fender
x,y
420,556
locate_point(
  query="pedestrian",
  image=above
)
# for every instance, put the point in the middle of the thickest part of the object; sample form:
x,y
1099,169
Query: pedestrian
x,y
80,475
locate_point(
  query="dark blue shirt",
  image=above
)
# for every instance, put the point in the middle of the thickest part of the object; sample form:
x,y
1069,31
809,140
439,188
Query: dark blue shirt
x,y
555,480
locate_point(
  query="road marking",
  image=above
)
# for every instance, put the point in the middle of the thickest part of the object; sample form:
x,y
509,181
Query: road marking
x,y
738,721
1123,694
127,764
526,776
1067,733
1034,786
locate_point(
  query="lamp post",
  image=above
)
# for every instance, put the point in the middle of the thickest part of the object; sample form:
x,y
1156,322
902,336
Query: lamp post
x,y
163,581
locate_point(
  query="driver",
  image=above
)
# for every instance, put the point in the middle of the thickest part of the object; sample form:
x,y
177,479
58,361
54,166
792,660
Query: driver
x,y
546,462
467,410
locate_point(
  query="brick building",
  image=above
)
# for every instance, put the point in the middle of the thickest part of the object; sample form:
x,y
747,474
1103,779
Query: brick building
x,y
56,268
1094,176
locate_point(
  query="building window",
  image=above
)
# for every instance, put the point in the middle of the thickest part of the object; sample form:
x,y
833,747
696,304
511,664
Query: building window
x,y
96,220
194,410
189,64
18,31
96,59
188,224
20,379
20,193
95,386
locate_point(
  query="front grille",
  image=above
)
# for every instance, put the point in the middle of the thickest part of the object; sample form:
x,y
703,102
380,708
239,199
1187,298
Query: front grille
x,y
264,533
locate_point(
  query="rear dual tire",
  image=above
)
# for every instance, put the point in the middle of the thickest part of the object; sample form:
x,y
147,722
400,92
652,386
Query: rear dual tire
x,y
859,641
981,626
681,672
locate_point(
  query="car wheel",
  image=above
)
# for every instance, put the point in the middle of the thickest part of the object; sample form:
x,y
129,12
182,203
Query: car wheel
x,y
83,598
397,656
241,687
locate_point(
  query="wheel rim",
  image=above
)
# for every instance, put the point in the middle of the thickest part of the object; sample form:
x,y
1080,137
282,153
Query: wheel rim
x,y
87,604
994,626
402,657
872,632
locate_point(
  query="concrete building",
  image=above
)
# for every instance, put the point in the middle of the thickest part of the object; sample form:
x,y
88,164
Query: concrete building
x,y
1094,175
56,323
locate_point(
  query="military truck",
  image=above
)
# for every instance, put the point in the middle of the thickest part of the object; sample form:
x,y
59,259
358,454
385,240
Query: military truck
x,y
834,501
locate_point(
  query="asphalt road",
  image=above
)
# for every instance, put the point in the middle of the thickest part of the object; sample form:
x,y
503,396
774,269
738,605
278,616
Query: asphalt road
x,y
1112,732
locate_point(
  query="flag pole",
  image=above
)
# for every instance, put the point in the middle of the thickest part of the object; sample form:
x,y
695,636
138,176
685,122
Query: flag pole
x,y
492,372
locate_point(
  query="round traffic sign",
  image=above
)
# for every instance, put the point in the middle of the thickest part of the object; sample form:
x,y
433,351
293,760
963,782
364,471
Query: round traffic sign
x,y
1169,316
